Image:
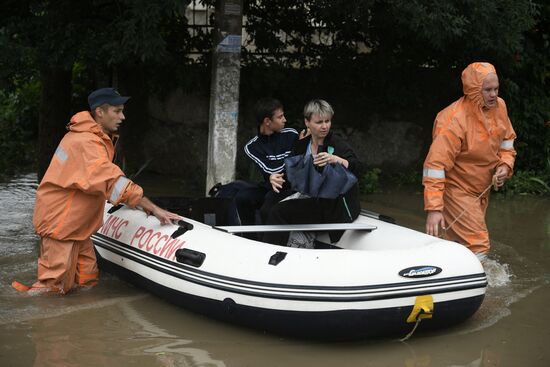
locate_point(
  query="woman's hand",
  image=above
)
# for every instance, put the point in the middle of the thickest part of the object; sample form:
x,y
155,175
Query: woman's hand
x,y
276,180
322,159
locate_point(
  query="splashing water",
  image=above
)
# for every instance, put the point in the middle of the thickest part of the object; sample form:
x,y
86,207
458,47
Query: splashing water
x,y
498,275
506,285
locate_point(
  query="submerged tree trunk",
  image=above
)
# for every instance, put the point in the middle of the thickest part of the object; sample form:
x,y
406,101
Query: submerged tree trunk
x,y
55,112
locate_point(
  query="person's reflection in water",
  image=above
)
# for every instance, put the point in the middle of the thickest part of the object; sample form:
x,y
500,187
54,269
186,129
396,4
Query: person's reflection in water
x,y
99,341
169,349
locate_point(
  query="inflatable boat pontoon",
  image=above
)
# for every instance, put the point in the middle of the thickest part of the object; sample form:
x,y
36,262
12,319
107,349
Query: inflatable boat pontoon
x,y
378,280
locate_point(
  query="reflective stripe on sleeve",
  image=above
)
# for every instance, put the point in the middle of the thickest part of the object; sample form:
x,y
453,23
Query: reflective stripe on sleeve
x,y
433,173
120,184
507,144
60,154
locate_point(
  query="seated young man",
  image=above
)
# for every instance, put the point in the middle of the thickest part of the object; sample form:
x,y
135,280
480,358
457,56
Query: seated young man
x,y
267,150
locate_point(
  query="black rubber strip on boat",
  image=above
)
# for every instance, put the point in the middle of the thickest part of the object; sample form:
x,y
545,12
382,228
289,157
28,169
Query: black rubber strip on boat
x,y
308,298
113,243
411,291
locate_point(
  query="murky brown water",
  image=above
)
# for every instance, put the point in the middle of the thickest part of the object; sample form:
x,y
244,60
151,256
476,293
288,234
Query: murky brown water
x,y
116,324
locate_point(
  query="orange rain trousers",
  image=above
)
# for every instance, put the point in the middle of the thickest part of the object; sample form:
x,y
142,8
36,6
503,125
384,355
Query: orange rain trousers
x,y
63,265
470,229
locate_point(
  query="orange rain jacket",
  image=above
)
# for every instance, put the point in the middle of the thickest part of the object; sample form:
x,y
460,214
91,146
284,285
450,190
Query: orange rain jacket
x,y
81,177
469,142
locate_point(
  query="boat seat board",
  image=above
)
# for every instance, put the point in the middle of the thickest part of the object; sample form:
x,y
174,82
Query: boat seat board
x,y
297,227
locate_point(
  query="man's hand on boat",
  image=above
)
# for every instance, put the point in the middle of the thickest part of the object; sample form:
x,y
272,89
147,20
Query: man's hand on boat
x,y
433,222
164,216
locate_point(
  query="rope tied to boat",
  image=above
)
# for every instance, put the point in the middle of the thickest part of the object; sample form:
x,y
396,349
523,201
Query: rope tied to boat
x,y
408,336
492,184
423,309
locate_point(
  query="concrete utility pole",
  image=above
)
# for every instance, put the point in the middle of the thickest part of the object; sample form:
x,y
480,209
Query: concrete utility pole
x,y
224,93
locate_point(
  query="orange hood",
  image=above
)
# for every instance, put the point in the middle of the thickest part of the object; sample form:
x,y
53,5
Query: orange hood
x,y
84,122
472,80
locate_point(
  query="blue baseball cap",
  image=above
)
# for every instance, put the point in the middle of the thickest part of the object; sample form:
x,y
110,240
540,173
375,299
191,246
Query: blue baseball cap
x,y
106,95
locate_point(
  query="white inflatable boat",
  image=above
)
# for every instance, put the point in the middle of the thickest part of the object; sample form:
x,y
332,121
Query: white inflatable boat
x,y
378,280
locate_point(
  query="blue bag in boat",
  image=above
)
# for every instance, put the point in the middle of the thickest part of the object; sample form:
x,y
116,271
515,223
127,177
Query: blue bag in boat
x,y
328,182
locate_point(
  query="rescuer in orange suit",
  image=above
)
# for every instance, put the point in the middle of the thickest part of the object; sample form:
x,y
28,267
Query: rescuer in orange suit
x,y
70,200
473,144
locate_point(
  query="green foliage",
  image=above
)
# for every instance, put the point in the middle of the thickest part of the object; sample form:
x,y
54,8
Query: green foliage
x,y
528,182
412,177
453,27
18,127
369,183
396,58
535,182
527,91
388,32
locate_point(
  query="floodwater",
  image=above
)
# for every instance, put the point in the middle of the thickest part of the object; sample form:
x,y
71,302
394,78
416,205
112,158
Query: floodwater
x,y
116,324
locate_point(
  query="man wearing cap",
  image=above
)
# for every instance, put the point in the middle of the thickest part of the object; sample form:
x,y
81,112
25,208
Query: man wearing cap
x,y
70,200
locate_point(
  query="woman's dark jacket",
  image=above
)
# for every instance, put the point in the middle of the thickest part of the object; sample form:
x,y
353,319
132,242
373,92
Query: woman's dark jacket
x,y
334,210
